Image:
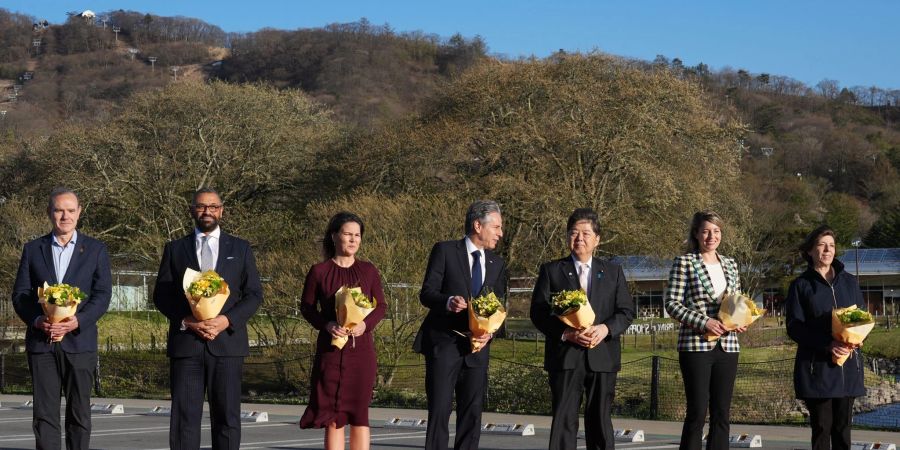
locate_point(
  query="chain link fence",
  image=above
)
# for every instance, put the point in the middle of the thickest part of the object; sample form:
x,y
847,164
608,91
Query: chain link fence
x,y
647,388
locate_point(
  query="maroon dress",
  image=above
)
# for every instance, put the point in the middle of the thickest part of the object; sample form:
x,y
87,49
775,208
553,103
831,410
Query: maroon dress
x,y
342,379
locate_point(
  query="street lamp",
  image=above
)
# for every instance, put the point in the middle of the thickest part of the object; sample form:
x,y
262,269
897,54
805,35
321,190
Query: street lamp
x,y
857,242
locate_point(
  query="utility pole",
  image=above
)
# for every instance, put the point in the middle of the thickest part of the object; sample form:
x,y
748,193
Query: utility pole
x,y
152,60
117,30
175,70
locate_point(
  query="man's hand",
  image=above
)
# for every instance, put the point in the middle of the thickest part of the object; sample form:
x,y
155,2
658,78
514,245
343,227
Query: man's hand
x,y
457,304
60,329
206,329
212,327
484,338
597,333
41,323
578,337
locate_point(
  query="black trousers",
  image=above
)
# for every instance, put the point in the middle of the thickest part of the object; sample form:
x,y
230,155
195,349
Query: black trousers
x,y
830,420
220,378
708,383
567,387
52,374
443,376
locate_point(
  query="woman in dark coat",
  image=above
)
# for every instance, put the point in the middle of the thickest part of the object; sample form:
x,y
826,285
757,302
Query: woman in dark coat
x,y
342,379
827,389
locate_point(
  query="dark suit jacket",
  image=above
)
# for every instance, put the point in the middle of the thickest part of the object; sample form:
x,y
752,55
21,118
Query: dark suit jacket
x,y
88,269
610,300
237,266
449,274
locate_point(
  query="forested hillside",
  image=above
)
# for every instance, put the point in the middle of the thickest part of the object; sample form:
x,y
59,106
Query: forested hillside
x,y
392,123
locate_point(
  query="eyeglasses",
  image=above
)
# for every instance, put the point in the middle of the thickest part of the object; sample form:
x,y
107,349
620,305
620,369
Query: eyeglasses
x,y
210,208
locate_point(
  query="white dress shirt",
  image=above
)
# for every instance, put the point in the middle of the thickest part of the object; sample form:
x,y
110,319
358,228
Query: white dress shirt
x,y
717,278
213,244
578,265
470,247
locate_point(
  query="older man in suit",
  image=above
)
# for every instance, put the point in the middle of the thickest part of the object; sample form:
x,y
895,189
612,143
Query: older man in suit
x,y
458,271
207,356
63,356
582,361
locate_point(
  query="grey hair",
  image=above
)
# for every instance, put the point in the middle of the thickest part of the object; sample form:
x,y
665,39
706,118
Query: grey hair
x,y
56,192
205,190
479,210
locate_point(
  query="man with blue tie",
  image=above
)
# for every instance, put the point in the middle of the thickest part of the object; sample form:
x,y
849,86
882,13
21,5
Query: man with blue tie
x,y
458,271
62,356
207,357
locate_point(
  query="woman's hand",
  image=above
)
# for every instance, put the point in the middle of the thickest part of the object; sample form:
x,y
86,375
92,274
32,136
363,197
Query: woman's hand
x,y
715,327
839,349
740,329
336,330
358,330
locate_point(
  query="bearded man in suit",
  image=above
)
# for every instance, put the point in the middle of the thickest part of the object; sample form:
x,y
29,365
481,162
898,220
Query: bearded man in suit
x,y
207,356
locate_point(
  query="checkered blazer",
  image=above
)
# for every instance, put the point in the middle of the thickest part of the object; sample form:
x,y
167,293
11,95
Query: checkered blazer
x,y
689,300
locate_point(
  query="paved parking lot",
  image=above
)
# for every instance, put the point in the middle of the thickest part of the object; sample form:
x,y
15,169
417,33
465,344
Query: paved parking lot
x,y
135,430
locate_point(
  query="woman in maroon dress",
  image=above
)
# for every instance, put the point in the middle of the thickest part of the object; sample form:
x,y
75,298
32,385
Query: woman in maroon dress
x,y
342,379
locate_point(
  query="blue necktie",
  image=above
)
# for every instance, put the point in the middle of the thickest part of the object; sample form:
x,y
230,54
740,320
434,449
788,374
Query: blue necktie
x,y
476,273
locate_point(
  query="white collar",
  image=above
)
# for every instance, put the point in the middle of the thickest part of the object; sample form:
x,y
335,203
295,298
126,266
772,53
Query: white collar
x,y
578,263
470,247
213,234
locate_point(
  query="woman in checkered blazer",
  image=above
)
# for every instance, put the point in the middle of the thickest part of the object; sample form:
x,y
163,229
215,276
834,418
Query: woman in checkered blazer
x,y
697,282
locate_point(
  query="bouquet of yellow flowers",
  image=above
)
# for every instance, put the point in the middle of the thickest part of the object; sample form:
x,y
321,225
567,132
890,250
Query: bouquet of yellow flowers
x,y
351,306
59,301
486,314
206,293
736,310
850,326
573,309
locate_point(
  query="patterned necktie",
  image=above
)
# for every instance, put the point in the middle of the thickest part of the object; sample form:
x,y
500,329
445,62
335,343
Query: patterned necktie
x,y
476,273
584,271
206,257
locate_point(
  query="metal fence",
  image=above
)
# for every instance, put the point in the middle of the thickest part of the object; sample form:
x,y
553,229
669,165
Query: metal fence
x,y
647,388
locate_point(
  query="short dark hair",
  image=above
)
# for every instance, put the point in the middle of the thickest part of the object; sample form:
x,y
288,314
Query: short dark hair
x,y
479,210
584,214
812,238
693,245
56,192
334,225
205,190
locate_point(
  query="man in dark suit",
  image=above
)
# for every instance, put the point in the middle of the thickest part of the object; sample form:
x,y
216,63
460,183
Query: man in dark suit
x,y
207,356
458,271
63,256
582,360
